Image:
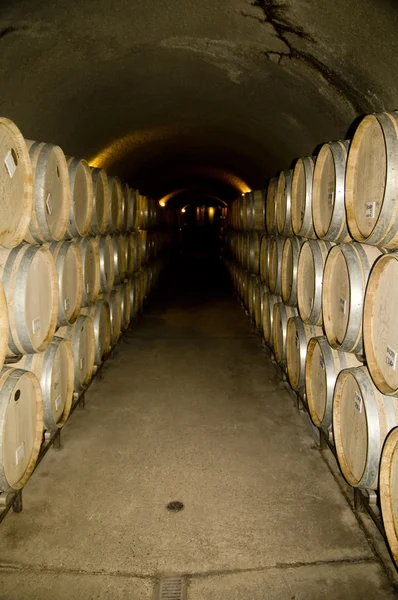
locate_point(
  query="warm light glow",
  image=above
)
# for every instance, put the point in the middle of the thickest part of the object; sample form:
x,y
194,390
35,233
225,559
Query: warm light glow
x,y
211,213
162,203
183,210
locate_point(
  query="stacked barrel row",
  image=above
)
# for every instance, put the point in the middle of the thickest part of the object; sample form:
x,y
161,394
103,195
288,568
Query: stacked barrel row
x,y
79,252
321,284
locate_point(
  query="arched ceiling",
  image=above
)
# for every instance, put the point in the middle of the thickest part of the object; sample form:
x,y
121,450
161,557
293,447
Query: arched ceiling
x,y
182,94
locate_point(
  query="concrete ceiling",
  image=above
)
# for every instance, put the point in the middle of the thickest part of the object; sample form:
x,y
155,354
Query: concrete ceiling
x,y
203,95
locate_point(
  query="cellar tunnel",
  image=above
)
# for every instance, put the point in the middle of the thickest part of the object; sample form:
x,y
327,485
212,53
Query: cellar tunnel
x,y
189,474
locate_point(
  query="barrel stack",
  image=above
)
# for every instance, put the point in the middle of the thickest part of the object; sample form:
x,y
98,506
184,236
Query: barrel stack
x,y
328,267
79,253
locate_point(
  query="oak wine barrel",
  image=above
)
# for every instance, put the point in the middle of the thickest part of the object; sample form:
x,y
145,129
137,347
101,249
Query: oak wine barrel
x,y
114,300
389,491
119,257
101,316
270,206
89,248
281,316
101,202
258,305
372,181
125,296
16,185
345,278
253,281
264,258
321,370
275,265
116,204
81,336
130,208
311,263
328,193
106,262
362,419
69,265
30,282
21,427
253,252
303,174
380,324
269,301
284,203
51,203
297,337
81,199
54,370
289,268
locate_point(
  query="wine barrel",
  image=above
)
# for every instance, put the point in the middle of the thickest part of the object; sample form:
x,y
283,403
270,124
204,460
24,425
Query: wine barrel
x,y
303,174
116,201
51,193
69,264
134,252
372,183
255,210
16,185
281,316
297,337
81,201
284,203
275,265
54,370
322,368
270,206
264,258
253,281
289,267
144,246
119,257
101,202
362,419
258,306
106,262
253,252
311,263
101,316
113,298
345,277
21,427
89,248
269,302
125,295
81,336
389,491
380,324
130,209
142,209
329,216
30,284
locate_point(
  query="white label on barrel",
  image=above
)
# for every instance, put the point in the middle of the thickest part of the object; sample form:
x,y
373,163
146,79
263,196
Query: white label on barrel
x,y
343,304
82,362
391,357
20,453
57,402
10,164
357,401
322,362
370,210
36,325
66,303
48,203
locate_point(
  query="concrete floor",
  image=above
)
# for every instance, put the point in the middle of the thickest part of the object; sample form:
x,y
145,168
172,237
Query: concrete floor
x,y
191,410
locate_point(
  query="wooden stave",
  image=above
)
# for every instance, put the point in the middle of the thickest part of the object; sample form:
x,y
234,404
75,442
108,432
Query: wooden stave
x,y
285,313
296,243
116,200
40,364
39,230
19,341
71,332
338,229
114,300
334,362
303,335
284,203
270,207
386,500
253,252
59,251
258,308
98,312
385,230
10,379
269,301
275,266
130,209
119,258
251,303
21,151
75,229
125,304
355,257
319,251
91,273
306,227
371,358
106,263
100,218
264,258
375,436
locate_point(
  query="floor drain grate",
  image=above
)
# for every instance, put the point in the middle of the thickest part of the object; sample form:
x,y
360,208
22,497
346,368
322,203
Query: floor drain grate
x,y
172,588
